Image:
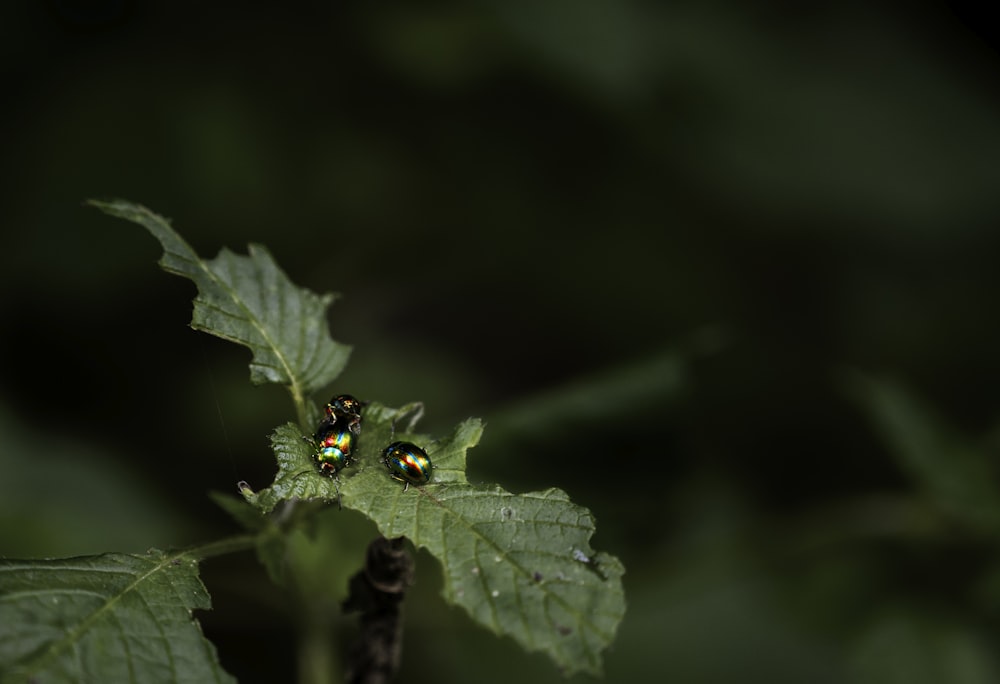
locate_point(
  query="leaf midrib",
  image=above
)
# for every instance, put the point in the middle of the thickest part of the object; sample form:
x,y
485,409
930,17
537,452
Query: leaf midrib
x,y
72,636
254,321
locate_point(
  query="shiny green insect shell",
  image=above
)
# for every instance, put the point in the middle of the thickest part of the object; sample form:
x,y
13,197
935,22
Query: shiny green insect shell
x,y
407,463
333,449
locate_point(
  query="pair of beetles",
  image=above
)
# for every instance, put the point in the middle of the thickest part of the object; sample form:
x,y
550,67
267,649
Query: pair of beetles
x,y
338,432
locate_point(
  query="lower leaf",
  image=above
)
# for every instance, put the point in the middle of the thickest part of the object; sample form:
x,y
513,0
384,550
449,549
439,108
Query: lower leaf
x,y
107,618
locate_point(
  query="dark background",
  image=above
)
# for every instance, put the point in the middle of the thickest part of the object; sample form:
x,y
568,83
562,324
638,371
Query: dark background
x,y
687,260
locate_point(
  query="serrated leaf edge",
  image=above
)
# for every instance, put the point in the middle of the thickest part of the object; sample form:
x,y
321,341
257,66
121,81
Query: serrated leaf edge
x,y
138,213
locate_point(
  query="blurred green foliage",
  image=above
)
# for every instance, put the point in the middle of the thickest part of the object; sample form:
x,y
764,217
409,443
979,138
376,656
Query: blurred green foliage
x,y
522,202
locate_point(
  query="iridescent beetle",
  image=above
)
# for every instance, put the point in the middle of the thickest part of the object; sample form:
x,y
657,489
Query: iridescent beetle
x,y
407,463
347,410
337,434
333,449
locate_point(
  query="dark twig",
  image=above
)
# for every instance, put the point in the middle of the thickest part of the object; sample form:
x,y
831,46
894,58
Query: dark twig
x,y
377,592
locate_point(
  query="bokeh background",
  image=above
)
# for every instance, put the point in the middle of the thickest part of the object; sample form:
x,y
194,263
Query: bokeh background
x,y
725,272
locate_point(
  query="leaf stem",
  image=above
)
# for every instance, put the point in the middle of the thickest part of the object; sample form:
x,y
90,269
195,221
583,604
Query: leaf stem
x,y
299,399
242,542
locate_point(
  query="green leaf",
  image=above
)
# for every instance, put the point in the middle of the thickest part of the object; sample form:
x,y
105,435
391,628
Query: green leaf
x,y
108,618
957,476
519,564
250,301
921,649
